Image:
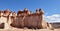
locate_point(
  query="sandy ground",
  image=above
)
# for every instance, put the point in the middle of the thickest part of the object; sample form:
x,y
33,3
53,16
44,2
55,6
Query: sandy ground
x,y
25,29
28,29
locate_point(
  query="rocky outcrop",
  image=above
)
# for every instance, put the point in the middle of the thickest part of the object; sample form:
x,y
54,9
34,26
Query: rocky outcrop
x,y
23,19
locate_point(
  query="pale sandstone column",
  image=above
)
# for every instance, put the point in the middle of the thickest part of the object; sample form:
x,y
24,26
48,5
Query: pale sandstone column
x,y
6,24
44,23
4,20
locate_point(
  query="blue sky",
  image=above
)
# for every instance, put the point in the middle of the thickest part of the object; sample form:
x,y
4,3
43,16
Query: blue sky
x,y
50,7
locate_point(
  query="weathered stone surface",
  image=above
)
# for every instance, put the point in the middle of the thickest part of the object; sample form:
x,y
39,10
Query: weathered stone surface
x,y
29,30
23,19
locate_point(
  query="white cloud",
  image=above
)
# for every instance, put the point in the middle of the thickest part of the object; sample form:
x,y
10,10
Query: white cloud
x,y
53,18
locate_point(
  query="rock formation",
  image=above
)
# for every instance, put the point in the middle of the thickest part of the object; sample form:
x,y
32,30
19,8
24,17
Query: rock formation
x,y
23,19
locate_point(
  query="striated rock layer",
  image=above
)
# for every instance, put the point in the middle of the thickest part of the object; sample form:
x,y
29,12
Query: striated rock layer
x,y
23,19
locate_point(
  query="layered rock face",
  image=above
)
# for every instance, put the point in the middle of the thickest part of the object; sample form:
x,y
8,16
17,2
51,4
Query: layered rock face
x,y
23,19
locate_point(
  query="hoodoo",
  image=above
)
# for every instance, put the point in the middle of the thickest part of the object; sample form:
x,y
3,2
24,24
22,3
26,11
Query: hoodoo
x,y
23,19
